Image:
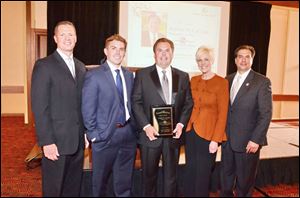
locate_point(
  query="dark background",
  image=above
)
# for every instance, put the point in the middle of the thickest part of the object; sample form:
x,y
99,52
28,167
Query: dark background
x,y
95,21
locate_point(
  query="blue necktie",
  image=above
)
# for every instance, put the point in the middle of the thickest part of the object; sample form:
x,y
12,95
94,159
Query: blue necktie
x,y
119,84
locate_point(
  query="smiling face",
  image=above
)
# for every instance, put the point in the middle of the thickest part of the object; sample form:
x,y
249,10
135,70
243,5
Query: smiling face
x,y
243,60
204,62
115,52
65,38
163,54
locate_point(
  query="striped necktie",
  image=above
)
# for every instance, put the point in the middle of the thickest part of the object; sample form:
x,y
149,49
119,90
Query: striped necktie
x,y
165,87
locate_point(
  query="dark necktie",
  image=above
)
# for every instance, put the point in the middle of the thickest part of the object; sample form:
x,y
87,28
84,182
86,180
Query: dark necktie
x,y
119,84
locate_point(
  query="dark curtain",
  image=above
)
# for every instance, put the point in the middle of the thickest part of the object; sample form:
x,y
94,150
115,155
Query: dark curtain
x,y
250,24
94,21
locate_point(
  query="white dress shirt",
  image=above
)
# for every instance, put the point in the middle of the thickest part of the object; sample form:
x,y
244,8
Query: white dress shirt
x,y
243,77
113,68
169,76
71,65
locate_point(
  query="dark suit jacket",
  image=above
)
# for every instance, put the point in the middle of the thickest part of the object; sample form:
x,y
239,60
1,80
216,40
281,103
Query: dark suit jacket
x,y
147,91
100,103
251,112
56,100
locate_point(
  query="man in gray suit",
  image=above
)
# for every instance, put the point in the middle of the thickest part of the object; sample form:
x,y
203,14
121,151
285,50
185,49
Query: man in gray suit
x,y
249,116
56,103
149,90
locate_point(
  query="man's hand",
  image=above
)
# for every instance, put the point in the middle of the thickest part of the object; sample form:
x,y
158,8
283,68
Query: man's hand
x,y
51,152
151,132
252,147
177,131
213,147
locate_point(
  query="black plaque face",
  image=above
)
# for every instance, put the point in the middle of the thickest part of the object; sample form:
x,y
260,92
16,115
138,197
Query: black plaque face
x,y
162,120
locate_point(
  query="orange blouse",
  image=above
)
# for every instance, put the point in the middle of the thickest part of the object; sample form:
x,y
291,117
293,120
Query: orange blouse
x,y
209,115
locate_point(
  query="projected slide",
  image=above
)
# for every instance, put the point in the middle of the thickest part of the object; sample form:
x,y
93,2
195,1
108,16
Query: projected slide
x,y
188,24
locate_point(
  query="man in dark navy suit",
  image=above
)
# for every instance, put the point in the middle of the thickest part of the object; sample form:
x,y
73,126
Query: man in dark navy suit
x,y
106,109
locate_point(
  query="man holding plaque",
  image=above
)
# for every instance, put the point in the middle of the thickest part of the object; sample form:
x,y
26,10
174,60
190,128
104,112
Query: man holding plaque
x,y
162,104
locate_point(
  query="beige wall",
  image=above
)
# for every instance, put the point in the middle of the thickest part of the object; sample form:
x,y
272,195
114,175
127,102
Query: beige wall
x,y
13,54
13,43
39,14
283,59
13,51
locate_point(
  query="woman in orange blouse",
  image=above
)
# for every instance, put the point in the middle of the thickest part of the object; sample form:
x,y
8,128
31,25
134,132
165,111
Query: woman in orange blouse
x,y
206,128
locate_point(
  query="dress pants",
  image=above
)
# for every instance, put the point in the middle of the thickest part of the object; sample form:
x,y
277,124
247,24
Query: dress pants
x,y
150,167
238,171
199,165
116,157
62,178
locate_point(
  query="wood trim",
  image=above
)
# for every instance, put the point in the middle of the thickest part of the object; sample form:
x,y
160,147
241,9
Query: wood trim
x,y
283,97
12,89
286,120
293,4
12,115
37,33
30,59
133,69
88,67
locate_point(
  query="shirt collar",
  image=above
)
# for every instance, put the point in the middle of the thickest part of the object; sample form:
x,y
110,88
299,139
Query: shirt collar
x,y
64,56
159,69
244,75
113,67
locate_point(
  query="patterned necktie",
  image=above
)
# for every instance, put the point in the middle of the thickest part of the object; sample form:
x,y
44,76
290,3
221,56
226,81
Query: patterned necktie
x,y
235,88
71,67
165,87
119,84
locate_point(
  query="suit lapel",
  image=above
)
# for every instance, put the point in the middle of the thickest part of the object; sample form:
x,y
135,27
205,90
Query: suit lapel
x,y
110,79
64,65
127,82
230,79
127,79
156,82
77,70
175,85
245,87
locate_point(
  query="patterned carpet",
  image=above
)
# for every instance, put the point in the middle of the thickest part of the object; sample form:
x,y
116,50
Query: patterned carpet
x,y
17,141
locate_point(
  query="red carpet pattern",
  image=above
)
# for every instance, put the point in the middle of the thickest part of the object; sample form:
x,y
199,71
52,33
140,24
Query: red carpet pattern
x,y
17,140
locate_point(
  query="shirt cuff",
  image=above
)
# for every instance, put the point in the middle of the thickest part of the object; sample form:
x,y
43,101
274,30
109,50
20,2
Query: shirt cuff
x,y
181,124
146,126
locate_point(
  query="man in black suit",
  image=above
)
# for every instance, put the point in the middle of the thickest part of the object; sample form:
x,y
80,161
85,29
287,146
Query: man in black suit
x,y
150,89
56,103
249,116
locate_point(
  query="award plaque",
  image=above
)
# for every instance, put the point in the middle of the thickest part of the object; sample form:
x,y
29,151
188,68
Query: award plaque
x,y
162,120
